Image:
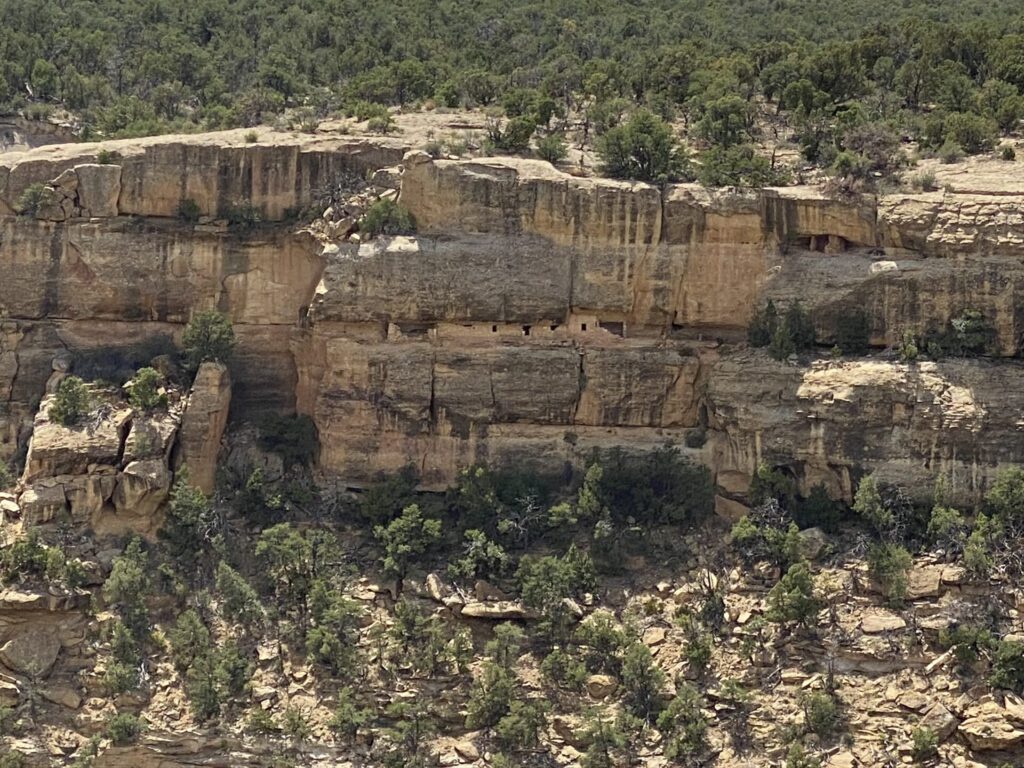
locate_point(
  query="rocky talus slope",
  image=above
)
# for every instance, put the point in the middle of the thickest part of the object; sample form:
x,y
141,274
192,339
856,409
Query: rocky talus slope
x,y
533,317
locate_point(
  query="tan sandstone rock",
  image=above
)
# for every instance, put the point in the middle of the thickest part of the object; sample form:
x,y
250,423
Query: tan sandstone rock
x,y
203,422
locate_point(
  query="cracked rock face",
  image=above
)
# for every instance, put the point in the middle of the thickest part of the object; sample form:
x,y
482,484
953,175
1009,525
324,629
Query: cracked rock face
x,y
534,316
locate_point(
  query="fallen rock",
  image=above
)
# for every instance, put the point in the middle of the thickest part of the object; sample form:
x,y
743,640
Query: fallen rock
x,y
41,504
730,510
654,636
63,695
877,622
600,686
9,694
940,721
988,728
497,611
436,588
31,653
484,591
142,488
925,581
814,543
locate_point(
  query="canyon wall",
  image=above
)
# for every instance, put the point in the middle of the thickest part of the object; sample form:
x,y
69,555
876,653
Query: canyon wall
x,y
534,316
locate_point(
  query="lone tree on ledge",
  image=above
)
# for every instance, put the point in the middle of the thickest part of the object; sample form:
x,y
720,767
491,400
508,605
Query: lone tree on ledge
x,y
208,337
642,148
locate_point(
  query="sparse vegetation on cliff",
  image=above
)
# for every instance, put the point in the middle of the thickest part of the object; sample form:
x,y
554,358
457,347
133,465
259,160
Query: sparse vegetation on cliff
x,y
386,217
207,337
71,403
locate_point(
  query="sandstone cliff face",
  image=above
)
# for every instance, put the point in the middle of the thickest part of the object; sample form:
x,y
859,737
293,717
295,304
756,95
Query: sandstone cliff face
x,y
533,317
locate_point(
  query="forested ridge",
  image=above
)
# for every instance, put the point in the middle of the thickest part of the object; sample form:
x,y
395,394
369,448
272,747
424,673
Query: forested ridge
x,y
133,66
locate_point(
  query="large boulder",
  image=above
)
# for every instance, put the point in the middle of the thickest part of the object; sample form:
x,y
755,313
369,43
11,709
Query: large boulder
x,y
142,488
988,727
58,450
202,425
42,503
32,653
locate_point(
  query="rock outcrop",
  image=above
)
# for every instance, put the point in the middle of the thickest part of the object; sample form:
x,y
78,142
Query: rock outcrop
x,y
534,316
203,423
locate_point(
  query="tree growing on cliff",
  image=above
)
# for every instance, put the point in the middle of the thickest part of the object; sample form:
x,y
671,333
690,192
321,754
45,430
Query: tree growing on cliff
x,y
144,390
386,217
405,537
71,403
642,148
208,337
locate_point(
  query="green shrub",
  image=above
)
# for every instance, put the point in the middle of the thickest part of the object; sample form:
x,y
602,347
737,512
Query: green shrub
x,y
481,558
332,640
295,724
189,639
124,728
643,148
924,744
947,529
30,200
144,390
767,533
642,682
799,757
348,716
603,639
738,166
407,536
241,215
763,325
852,332
651,488
239,601
684,725
207,337
71,403
950,152
123,669
564,670
925,181
792,600
251,137
890,564
972,132
519,729
514,137
969,334
128,586
490,696
261,722
382,124
1008,666
697,647
188,210
1008,153
7,478
604,741
386,217
545,582
968,642
552,148
821,713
